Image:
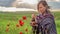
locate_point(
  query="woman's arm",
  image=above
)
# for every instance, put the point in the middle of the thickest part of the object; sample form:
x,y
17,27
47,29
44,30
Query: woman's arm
x,y
33,20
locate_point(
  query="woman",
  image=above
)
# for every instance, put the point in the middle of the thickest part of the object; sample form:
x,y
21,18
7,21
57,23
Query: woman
x,y
45,20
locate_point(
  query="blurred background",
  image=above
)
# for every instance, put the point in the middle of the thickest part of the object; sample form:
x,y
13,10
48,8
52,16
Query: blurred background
x,y
18,5
11,11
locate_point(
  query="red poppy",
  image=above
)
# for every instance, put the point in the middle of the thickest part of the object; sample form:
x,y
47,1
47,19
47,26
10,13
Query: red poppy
x,y
24,17
17,25
20,33
26,30
21,22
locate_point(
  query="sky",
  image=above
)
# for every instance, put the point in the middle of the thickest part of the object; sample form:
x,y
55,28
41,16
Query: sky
x,y
30,1
33,1
26,1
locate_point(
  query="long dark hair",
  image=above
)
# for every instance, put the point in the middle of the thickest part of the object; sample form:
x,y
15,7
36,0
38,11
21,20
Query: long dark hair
x,y
45,5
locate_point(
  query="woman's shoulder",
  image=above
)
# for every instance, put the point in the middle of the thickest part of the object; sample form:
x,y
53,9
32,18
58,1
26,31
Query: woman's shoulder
x,y
48,19
49,16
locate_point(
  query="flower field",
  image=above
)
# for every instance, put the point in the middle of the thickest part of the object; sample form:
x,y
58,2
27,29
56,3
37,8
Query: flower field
x,y
19,23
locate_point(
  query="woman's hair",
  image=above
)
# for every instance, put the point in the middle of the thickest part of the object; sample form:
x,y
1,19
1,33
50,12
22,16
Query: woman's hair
x,y
44,3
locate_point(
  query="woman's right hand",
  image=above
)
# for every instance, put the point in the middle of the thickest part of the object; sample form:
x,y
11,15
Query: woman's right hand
x,y
33,23
33,15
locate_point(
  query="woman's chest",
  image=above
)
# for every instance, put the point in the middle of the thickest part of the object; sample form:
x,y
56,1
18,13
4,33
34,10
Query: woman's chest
x,y
39,19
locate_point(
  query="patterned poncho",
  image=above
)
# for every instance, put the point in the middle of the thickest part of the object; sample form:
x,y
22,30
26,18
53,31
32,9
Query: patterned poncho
x,y
46,24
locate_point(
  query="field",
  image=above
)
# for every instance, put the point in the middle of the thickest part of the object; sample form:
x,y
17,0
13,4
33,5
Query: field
x,y
8,23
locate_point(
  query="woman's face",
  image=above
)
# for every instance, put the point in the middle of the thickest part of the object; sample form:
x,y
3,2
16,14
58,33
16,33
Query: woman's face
x,y
41,8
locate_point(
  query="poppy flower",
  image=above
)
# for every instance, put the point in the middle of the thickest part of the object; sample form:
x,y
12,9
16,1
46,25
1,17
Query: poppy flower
x,y
24,17
21,22
17,25
20,33
26,30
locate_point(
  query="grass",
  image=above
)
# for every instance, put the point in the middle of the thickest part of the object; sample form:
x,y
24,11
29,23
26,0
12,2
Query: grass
x,y
13,19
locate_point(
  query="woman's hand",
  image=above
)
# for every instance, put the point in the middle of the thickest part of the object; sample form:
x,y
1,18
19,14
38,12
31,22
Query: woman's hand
x,y
33,23
33,15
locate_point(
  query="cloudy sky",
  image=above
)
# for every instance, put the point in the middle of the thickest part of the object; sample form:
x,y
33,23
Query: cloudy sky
x,y
34,1
30,1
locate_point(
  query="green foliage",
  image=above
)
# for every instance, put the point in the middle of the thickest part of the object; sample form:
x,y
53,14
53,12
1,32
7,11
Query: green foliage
x,y
13,18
